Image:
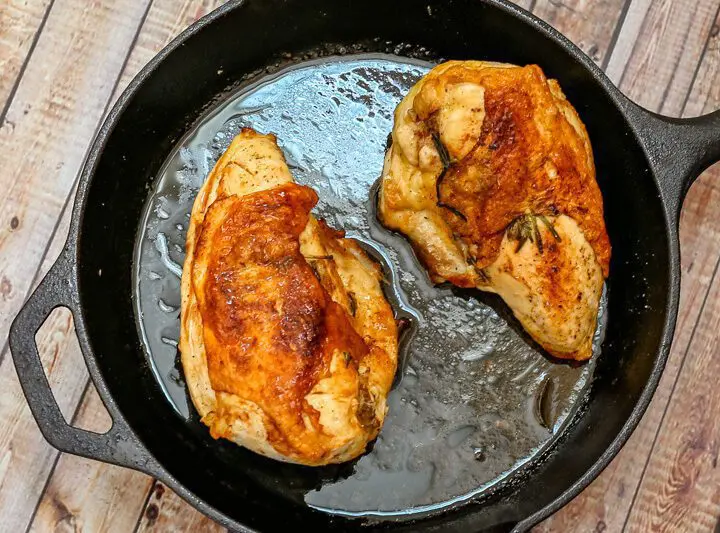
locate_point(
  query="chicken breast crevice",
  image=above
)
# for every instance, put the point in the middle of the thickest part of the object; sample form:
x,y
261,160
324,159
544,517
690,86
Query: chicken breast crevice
x,y
288,345
490,174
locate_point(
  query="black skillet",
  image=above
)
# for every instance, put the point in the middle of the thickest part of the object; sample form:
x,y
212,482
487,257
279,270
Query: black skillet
x,y
645,165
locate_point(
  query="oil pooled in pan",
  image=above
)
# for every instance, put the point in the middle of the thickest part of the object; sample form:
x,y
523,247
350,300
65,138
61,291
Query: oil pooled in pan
x,y
474,401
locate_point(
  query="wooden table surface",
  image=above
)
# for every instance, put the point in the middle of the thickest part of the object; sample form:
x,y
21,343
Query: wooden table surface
x,y
64,62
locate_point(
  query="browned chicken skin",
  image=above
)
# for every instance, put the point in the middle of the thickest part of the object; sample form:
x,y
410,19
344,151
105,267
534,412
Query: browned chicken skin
x,y
288,345
491,176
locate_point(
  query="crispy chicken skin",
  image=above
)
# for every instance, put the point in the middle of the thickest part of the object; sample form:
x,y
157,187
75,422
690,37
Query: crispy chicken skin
x,y
288,344
490,174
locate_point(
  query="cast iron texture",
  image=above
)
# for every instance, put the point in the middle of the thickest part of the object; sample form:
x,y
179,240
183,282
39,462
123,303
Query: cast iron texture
x,y
645,165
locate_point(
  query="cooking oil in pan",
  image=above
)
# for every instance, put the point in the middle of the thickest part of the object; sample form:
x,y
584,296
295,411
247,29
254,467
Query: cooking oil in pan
x,y
474,400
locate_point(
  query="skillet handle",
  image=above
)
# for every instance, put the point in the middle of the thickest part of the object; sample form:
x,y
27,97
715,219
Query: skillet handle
x,y
679,150
119,445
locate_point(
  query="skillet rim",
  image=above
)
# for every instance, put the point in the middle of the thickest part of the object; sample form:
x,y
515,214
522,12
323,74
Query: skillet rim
x,y
634,116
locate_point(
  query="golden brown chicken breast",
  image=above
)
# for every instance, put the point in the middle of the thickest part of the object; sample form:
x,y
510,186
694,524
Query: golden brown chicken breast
x,y
491,176
288,344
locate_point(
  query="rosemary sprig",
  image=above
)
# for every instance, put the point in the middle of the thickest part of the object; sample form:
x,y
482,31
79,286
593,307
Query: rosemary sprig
x,y
444,159
482,275
521,230
442,151
538,237
318,257
525,228
316,272
447,162
472,261
550,227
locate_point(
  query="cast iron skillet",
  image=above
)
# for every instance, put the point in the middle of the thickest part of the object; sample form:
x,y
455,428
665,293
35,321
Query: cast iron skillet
x,y
646,163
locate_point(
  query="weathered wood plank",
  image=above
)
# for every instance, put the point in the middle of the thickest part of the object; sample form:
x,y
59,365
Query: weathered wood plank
x,y
81,497
705,96
628,36
661,68
166,512
590,24
20,24
680,490
25,457
606,503
54,112
60,503
525,4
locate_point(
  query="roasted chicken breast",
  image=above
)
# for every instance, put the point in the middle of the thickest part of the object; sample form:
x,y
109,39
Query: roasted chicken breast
x,y
490,174
288,345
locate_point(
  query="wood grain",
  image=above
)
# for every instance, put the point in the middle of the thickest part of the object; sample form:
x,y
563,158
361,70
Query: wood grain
x,y
662,66
680,490
525,4
84,498
166,512
680,486
21,21
628,35
590,24
705,95
55,110
25,457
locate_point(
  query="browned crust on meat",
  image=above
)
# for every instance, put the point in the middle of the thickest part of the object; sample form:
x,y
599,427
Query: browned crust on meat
x,y
270,326
525,132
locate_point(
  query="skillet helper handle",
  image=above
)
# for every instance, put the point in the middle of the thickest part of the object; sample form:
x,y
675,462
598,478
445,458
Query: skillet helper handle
x,y
680,149
119,445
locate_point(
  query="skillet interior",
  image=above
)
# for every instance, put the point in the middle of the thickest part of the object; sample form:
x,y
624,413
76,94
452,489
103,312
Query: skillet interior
x,y
253,36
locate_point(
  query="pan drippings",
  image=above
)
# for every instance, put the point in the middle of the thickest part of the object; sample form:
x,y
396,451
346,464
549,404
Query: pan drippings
x,y
475,399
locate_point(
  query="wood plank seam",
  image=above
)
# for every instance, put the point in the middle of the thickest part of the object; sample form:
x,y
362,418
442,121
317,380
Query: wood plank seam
x,y
672,392
57,457
70,199
69,203
145,504
669,85
36,277
697,67
616,35
21,72
633,49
